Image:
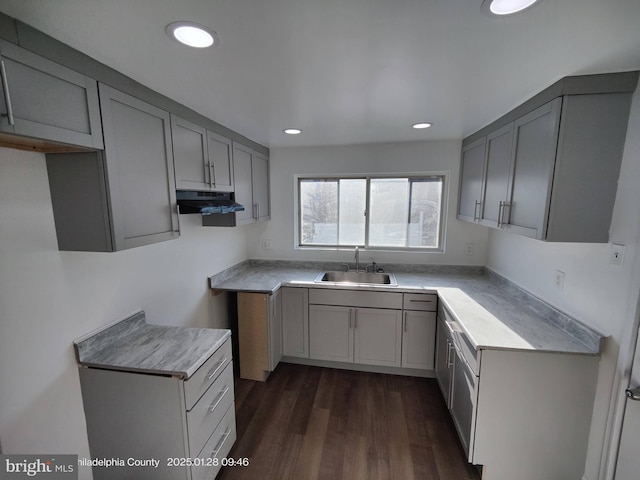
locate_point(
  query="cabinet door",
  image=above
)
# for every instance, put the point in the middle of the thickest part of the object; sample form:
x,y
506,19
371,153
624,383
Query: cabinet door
x,y
261,186
444,361
496,176
275,330
534,152
47,100
220,162
331,333
139,162
471,170
242,164
295,322
419,340
190,155
378,336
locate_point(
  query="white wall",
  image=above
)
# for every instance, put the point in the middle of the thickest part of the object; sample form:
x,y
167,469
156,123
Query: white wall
x,y
597,293
409,157
48,298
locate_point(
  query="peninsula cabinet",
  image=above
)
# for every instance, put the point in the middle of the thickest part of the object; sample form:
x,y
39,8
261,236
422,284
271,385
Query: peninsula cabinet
x,y
259,334
251,171
551,171
43,100
124,196
203,159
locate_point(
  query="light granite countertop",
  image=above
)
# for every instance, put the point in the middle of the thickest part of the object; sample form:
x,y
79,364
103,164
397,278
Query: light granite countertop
x,y
494,313
134,345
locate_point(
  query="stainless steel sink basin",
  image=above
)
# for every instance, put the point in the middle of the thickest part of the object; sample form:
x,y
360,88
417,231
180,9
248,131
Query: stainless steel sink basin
x,y
364,278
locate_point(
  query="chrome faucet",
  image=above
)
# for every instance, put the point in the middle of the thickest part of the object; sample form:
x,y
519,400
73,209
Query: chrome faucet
x,y
357,259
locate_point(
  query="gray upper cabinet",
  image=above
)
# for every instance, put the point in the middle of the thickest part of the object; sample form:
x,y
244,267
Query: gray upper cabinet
x,y
123,197
220,162
471,170
44,100
251,184
535,140
496,176
203,159
551,171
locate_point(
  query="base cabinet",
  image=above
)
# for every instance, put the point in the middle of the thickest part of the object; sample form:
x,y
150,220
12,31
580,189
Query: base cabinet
x,y
145,416
295,322
259,334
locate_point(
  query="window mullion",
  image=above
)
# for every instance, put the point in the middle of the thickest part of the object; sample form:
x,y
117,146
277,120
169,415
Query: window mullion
x,y
367,211
408,228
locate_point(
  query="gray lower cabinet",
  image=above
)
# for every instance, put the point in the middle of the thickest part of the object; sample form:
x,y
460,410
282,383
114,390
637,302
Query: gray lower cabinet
x,y
295,322
203,159
186,424
551,173
419,330
251,176
44,100
125,196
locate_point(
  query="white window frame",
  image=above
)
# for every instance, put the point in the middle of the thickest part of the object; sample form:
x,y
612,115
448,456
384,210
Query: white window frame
x,y
368,177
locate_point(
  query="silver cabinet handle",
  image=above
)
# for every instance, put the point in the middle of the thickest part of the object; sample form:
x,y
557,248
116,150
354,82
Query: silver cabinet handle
x,y
218,365
404,323
351,318
257,211
500,214
223,439
355,321
421,301
178,217
211,174
633,393
7,96
475,210
449,350
219,399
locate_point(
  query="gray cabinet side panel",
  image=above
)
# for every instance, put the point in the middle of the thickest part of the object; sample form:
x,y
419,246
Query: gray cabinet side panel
x,y
78,197
138,416
590,151
471,171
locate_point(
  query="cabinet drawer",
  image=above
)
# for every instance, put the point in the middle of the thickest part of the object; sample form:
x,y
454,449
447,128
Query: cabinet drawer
x,y
206,414
355,298
218,446
195,386
426,302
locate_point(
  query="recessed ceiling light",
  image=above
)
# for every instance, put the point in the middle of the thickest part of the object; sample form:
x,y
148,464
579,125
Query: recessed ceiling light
x,y
421,125
506,7
292,131
192,34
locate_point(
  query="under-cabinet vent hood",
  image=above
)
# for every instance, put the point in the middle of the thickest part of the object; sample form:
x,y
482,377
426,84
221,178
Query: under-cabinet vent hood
x,y
207,203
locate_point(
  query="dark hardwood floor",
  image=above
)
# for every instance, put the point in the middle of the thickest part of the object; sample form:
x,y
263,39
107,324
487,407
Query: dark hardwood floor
x,y
308,423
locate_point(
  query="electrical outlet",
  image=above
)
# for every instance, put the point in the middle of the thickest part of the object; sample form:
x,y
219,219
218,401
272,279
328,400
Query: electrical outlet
x,y
559,280
616,256
468,248
266,244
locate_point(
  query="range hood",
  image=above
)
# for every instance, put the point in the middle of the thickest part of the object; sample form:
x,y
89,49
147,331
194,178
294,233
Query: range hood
x,y
217,208
207,203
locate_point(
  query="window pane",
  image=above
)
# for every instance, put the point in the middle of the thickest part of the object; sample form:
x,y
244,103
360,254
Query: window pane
x,y
389,205
352,201
319,212
424,226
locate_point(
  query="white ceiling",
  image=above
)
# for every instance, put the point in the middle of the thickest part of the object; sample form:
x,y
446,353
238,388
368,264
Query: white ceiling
x,y
347,71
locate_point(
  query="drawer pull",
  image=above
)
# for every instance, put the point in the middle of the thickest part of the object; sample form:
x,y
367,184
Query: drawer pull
x,y
219,399
223,439
421,301
218,366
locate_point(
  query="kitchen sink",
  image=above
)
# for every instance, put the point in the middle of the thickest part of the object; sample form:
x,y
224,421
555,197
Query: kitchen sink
x,y
364,278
